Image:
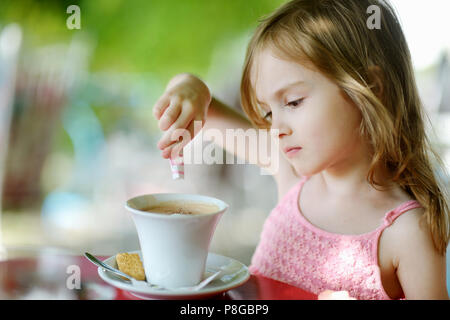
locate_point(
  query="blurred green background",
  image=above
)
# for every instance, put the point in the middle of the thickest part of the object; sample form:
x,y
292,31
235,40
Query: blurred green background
x,y
149,41
83,138
161,37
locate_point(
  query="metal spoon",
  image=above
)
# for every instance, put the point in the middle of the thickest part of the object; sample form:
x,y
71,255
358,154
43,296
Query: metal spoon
x,y
103,265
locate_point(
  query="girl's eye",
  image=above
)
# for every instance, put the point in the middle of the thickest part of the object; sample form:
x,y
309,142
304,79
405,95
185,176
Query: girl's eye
x,y
295,103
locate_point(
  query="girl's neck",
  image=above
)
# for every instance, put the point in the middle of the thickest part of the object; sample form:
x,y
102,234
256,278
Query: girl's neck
x,y
347,178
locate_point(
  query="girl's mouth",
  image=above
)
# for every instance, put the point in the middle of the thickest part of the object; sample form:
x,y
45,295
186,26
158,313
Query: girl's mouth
x,y
292,151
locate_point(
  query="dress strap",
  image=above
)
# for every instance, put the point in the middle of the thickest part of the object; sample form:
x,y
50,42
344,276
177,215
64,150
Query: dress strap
x,y
390,216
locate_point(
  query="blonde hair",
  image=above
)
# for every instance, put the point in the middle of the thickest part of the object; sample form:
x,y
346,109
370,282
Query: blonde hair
x,y
332,36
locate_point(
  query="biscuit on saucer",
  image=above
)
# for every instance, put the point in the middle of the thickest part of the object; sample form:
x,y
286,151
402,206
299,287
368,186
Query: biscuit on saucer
x,y
130,264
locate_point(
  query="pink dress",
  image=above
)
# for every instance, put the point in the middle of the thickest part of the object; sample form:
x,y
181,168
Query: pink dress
x,y
294,251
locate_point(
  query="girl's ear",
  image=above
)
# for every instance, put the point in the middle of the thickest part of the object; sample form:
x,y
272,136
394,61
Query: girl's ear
x,y
376,81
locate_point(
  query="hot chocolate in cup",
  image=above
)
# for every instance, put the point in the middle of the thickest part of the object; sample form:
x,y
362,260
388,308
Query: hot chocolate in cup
x,y
175,231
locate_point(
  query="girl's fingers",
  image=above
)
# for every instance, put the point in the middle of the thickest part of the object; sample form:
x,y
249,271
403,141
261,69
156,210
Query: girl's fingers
x,y
170,115
160,105
177,129
175,150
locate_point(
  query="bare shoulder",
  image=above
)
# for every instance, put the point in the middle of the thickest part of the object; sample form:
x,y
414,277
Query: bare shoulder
x,y
420,268
412,236
411,219
410,227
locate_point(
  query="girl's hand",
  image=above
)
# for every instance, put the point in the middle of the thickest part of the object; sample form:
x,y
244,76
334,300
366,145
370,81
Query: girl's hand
x,y
185,100
334,295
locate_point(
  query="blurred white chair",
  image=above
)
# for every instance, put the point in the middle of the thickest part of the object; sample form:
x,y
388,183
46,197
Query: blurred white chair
x,y
10,41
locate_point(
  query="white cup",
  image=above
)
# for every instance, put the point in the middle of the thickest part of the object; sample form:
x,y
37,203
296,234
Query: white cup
x,y
174,246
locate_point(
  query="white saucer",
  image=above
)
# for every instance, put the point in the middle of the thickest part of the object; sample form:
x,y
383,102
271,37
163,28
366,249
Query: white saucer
x,y
215,287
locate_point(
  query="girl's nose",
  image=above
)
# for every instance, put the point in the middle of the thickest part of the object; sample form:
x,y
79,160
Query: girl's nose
x,y
283,128
281,134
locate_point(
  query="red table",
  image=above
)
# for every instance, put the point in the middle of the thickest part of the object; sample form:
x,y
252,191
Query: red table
x,y
50,275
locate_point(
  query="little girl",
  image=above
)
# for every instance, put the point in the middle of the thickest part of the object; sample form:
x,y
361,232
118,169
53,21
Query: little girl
x,y
360,206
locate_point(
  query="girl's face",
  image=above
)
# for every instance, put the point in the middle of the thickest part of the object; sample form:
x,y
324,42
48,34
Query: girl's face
x,y
310,112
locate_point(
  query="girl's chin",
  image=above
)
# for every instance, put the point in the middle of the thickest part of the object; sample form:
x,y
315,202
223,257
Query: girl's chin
x,y
301,171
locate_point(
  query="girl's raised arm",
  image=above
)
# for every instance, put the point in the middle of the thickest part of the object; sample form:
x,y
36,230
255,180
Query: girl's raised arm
x,y
187,99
